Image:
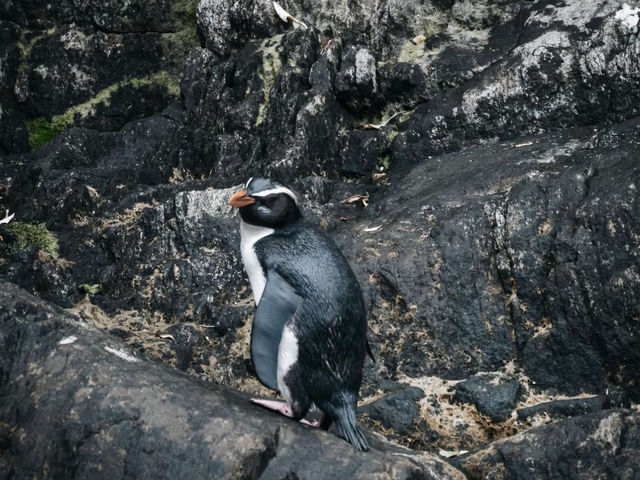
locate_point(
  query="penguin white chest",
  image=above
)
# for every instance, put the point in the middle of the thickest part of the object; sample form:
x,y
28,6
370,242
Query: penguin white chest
x,y
249,235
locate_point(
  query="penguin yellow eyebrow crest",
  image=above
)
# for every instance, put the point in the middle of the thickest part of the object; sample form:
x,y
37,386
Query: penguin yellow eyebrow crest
x,y
240,199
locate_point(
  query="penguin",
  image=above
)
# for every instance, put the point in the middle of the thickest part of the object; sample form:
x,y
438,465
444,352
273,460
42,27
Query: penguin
x,y
308,338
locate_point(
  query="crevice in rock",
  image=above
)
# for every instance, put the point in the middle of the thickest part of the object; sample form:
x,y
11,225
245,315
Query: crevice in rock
x,y
266,456
590,174
507,279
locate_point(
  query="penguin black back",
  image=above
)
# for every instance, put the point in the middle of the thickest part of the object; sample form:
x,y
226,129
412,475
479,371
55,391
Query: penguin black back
x,y
309,331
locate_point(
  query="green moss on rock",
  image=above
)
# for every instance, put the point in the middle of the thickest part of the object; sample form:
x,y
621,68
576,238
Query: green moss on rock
x,y
25,235
184,14
178,43
41,131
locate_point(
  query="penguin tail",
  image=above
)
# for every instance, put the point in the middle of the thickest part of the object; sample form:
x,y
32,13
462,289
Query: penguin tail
x,y
347,426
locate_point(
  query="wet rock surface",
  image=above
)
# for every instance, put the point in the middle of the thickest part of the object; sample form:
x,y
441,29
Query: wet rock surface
x,y
77,403
397,410
492,395
564,408
476,161
589,446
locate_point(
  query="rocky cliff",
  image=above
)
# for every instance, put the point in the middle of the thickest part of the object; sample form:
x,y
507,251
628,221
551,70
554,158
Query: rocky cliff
x,y
477,161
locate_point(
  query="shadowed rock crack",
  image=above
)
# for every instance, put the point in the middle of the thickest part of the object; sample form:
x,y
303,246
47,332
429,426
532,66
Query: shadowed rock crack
x,y
267,455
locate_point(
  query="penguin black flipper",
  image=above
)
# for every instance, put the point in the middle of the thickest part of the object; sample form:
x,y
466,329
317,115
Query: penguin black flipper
x,y
278,304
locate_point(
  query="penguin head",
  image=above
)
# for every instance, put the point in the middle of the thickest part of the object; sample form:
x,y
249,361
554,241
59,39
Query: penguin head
x,y
266,203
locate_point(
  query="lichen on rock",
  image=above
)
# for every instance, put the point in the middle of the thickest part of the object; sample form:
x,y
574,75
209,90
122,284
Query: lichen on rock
x,y
271,66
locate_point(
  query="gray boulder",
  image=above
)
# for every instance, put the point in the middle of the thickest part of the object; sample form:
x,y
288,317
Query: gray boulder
x,y
77,403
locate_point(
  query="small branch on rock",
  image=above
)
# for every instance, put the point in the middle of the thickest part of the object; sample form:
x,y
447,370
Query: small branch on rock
x,y
451,453
358,198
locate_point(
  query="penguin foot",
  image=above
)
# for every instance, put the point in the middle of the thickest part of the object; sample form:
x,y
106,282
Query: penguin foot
x,y
276,405
313,423
283,408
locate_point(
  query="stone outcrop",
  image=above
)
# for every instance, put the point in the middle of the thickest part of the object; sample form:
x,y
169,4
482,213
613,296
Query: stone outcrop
x,y
590,446
475,160
77,403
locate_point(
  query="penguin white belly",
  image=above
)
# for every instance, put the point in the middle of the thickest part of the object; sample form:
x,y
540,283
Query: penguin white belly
x,y
287,357
249,235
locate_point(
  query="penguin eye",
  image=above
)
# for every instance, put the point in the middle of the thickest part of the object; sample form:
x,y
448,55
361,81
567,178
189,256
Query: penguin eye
x,y
270,201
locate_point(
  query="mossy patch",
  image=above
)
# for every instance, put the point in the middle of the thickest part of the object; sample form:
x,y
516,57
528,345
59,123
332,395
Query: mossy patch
x,y
185,37
41,131
184,14
25,235
161,79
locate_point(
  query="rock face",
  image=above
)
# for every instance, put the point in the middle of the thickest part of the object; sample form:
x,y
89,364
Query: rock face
x,y
476,161
493,396
602,445
77,403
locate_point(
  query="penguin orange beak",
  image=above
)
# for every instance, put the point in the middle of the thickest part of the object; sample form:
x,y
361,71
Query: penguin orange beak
x,y
241,199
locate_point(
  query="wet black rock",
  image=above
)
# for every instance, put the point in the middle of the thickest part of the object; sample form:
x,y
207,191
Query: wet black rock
x,y
41,273
475,14
356,82
556,53
513,252
483,257
493,396
92,59
363,152
397,409
82,171
189,270
405,83
226,24
78,403
187,342
598,445
96,64
133,16
564,408
13,135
